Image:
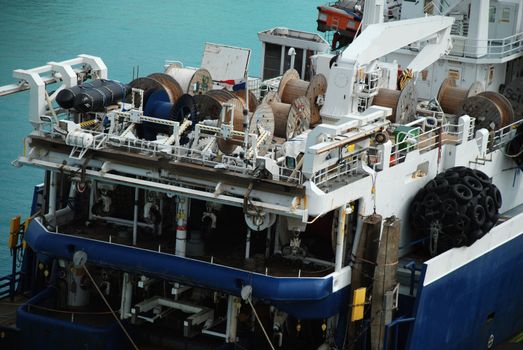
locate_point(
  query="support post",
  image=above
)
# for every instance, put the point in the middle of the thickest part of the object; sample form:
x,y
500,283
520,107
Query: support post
x,y
127,295
135,216
248,244
181,229
232,319
477,42
268,242
91,199
365,252
340,237
384,281
52,194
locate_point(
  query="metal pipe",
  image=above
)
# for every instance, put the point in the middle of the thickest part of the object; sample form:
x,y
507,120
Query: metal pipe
x,y
181,229
135,217
232,319
127,294
160,228
91,199
52,194
123,222
248,244
268,242
282,60
340,238
292,53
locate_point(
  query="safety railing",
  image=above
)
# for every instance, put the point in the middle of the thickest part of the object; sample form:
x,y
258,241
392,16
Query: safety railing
x,y
499,138
425,138
491,48
390,341
8,284
414,139
346,166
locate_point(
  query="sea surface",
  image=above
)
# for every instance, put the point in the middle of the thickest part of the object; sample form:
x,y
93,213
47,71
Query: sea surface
x,y
125,34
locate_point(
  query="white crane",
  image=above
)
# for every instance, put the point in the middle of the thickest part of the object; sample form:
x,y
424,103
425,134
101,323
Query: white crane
x,y
377,40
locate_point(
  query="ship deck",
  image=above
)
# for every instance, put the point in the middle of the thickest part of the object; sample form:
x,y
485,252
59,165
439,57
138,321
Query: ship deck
x,y
232,256
8,309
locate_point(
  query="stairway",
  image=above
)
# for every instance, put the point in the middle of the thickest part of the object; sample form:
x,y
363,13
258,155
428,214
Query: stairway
x,y
442,7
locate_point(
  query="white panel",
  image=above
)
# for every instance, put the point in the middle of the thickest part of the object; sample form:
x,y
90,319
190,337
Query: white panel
x,y
225,62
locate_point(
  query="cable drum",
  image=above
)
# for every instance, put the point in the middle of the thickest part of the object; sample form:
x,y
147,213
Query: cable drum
x,y
403,103
454,209
270,97
253,101
452,98
163,99
170,85
210,106
291,120
291,87
211,103
491,110
514,93
153,83
192,81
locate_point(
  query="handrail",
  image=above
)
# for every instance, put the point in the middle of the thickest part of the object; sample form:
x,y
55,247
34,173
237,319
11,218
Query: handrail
x,y
502,136
394,324
486,48
489,48
6,287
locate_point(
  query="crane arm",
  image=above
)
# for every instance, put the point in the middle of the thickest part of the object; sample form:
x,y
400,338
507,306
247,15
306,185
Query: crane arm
x,y
377,41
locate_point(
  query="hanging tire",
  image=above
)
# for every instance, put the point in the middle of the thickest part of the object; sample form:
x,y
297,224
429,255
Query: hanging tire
x,y
477,215
473,183
481,176
462,192
490,206
431,200
449,206
458,207
452,177
496,195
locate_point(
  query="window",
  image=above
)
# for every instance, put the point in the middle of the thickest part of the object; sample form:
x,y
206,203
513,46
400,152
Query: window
x,y
505,15
492,14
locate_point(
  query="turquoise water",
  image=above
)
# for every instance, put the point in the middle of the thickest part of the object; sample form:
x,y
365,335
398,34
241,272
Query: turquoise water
x,y
124,34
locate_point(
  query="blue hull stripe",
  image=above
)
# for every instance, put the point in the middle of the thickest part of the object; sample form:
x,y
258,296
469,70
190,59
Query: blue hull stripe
x,y
306,297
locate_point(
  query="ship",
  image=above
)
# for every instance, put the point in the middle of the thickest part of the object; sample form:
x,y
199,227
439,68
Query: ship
x,y
363,193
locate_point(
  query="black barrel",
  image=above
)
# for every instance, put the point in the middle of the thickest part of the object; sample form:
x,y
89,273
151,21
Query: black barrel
x,y
93,99
65,97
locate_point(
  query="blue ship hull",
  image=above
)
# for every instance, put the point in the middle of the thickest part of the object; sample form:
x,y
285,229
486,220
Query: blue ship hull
x,y
303,297
466,307
471,297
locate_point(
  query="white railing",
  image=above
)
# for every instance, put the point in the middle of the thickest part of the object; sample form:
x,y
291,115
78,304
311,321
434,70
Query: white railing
x,y
501,137
345,167
421,137
426,139
491,48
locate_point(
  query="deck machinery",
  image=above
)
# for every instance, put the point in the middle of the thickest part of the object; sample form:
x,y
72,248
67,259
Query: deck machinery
x,y
180,211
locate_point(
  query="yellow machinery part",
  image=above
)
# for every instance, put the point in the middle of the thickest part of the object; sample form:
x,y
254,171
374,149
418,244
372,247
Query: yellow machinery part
x,y
14,230
358,304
